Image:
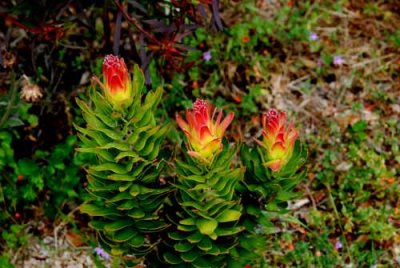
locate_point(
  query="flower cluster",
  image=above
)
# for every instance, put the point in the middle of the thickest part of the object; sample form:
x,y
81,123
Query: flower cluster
x,y
208,189
102,253
278,140
203,133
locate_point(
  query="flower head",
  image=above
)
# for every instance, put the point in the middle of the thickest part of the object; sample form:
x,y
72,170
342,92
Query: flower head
x,y
320,63
8,59
207,56
313,36
203,133
30,92
278,140
117,83
102,253
338,244
338,60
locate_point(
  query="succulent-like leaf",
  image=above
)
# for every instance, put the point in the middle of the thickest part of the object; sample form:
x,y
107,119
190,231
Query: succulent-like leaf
x,y
228,216
94,210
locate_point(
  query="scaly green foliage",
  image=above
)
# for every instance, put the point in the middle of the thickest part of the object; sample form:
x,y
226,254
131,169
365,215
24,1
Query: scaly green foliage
x,y
126,196
207,224
265,193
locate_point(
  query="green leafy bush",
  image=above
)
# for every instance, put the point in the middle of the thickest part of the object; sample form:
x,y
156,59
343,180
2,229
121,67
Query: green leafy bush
x,y
205,221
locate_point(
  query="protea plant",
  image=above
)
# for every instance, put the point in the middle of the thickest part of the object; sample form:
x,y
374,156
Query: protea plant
x,y
206,226
274,164
273,170
122,132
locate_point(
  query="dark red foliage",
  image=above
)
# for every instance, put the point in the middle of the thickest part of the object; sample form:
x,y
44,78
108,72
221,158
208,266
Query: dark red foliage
x,y
161,33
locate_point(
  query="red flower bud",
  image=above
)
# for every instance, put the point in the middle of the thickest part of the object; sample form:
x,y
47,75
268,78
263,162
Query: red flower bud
x,y
278,139
117,82
203,133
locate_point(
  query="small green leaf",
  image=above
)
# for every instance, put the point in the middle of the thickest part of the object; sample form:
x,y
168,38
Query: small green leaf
x,y
128,205
229,215
134,190
201,263
151,226
227,231
136,213
171,258
130,154
119,197
187,228
177,236
121,177
206,226
205,244
195,237
192,169
97,225
123,235
116,145
183,247
138,81
196,178
137,240
188,221
118,225
111,133
117,251
189,256
94,210
110,167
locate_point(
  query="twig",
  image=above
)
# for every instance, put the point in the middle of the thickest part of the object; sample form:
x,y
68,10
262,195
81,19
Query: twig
x,y
11,101
363,63
339,221
16,254
308,192
61,225
72,46
117,34
294,82
340,15
134,21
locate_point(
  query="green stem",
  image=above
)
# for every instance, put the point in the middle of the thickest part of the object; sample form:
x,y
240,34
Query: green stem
x,y
116,261
339,222
11,101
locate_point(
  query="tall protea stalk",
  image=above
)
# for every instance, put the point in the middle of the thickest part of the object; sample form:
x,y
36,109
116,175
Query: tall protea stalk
x,y
272,173
207,223
122,132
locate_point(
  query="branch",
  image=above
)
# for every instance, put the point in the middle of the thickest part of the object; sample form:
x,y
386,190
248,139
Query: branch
x,y
134,22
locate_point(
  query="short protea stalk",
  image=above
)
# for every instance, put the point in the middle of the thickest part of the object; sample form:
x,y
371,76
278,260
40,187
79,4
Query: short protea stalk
x,y
273,170
207,223
122,132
